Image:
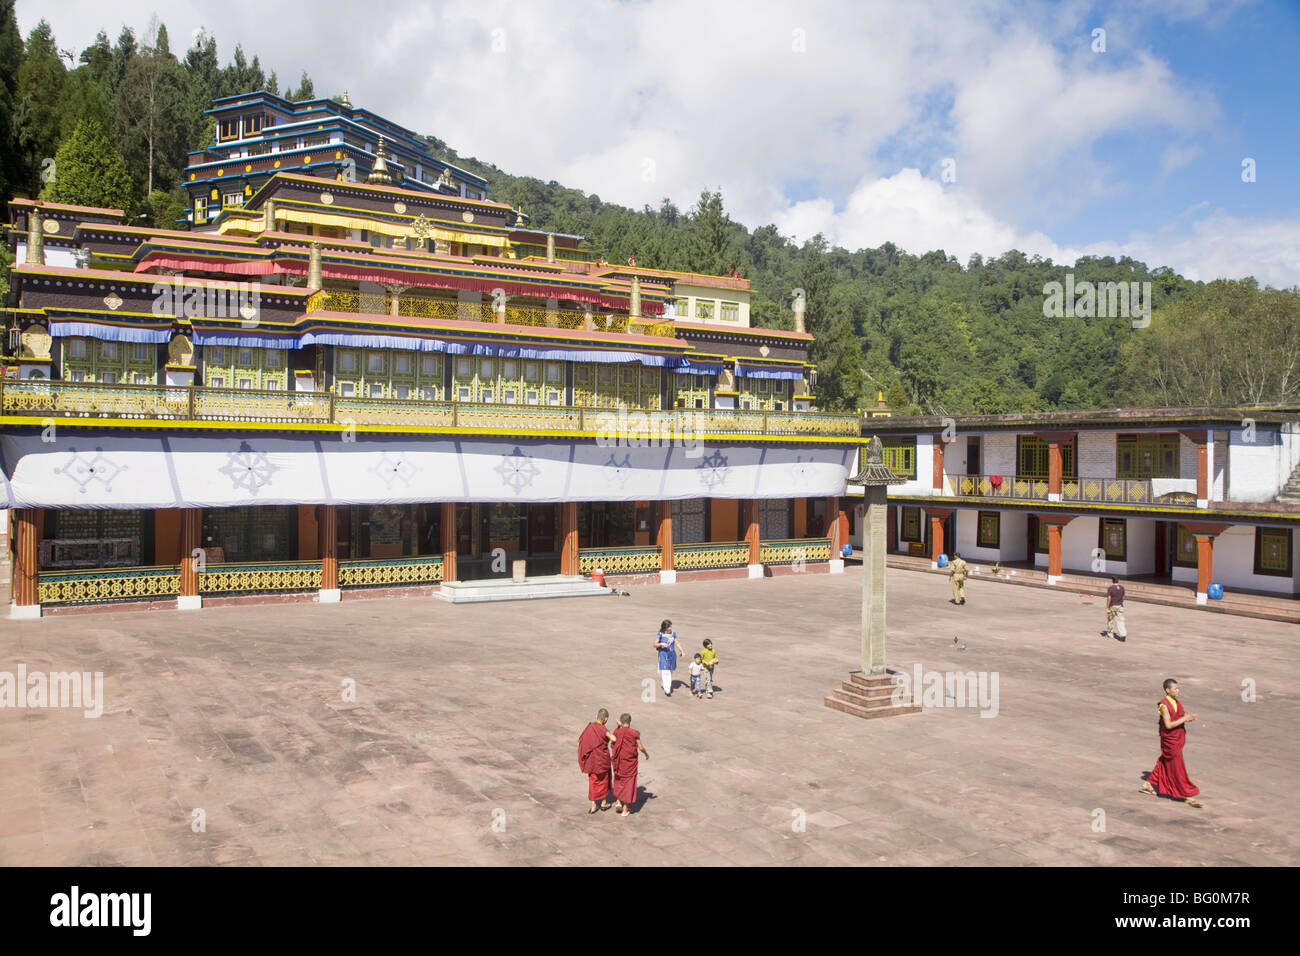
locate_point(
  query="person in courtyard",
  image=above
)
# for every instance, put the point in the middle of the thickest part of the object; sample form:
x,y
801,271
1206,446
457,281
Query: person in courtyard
x,y
709,657
697,678
593,759
626,744
1115,611
957,571
666,645
1169,778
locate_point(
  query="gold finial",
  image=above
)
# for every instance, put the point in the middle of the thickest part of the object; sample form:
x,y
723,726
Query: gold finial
x,y
379,172
346,102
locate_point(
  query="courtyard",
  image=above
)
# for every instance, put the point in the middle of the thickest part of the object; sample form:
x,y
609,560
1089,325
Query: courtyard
x,y
411,731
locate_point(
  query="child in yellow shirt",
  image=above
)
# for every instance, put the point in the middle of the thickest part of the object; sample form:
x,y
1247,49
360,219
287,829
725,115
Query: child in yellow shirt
x,y
709,658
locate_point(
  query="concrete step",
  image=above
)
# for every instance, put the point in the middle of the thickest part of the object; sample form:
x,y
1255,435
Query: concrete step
x,y
556,586
859,694
857,710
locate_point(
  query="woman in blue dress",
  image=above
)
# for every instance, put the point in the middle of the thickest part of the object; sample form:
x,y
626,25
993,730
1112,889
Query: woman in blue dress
x,y
666,644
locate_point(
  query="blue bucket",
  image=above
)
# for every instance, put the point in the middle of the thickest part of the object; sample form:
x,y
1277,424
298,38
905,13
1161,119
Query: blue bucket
x,y
1215,591
943,561
847,551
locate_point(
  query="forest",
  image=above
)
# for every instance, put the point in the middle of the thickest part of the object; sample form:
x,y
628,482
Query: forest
x,y
934,335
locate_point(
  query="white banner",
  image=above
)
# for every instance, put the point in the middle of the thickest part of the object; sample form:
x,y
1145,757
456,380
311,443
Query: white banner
x,y
87,470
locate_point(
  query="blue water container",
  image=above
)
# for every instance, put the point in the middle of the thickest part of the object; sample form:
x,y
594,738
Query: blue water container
x,y
847,551
943,560
1215,591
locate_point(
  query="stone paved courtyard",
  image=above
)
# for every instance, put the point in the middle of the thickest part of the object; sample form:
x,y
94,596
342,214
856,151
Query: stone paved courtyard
x,y
468,716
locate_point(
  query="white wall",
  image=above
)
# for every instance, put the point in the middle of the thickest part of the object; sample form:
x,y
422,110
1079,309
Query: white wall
x,y
1257,469
1219,467
968,535
1078,541
1234,563
1187,465
1095,453
998,452
922,484
1140,537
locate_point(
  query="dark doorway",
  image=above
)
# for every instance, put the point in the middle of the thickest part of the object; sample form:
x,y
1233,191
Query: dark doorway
x,y
1162,549
973,456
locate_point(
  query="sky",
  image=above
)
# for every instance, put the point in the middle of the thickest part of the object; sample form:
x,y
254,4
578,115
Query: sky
x,y
1166,130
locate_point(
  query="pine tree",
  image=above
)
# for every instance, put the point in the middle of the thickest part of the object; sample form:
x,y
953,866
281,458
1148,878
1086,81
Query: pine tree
x,y
89,171
40,82
12,166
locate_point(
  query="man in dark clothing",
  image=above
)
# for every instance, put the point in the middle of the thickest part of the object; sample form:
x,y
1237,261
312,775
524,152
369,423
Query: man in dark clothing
x,y
1115,611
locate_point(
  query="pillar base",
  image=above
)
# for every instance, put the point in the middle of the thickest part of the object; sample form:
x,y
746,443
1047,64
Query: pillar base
x,y
934,565
1053,497
755,571
189,602
330,595
667,577
24,612
1202,502
837,565
1202,597
1054,579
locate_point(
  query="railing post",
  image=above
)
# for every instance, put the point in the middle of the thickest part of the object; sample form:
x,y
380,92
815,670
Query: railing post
x,y
191,402
765,421
331,394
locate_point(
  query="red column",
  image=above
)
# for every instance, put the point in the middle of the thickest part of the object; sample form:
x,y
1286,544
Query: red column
x,y
936,539
191,541
832,523
800,517
665,537
328,529
1054,470
939,448
751,531
447,532
569,536
841,531
26,583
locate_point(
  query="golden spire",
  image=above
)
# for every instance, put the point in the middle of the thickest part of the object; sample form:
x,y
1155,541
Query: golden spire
x,y
379,175
346,102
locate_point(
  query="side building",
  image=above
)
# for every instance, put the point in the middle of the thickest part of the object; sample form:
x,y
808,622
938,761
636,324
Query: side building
x,y
1193,496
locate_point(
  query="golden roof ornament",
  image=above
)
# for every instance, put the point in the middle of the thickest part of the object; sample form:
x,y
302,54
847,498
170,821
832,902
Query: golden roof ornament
x,y
379,175
345,101
874,471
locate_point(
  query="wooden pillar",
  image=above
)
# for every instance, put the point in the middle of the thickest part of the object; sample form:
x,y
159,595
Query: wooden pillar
x,y
27,522
1202,472
751,531
937,472
569,538
1053,553
936,539
1204,566
800,517
841,529
328,531
1054,470
447,532
665,536
191,541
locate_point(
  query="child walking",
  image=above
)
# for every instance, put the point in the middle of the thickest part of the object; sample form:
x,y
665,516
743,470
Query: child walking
x,y
697,677
709,658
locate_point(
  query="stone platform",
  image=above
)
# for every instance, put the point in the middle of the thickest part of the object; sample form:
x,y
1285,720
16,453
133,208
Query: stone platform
x,y
866,695
504,589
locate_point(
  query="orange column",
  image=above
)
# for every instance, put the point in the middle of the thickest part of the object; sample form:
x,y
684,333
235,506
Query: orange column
x,y
447,532
569,536
191,541
937,476
1053,553
665,536
841,529
328,529
1054,471
1202,472
751,531
26,583
936,539
1204,565
800,517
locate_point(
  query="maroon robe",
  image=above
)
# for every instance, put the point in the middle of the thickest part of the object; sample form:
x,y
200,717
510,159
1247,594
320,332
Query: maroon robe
x,y
1170,775
593,759
625,764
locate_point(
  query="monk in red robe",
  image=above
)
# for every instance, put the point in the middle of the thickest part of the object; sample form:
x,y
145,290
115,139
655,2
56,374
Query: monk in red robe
x,y
626,744
593,759
1170,775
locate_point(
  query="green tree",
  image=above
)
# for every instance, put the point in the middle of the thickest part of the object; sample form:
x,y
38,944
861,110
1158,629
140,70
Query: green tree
x,y
13,167
151,107
90,171
39,84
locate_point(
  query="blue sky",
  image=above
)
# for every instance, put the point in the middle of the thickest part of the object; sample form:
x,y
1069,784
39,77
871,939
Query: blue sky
x,y
837,117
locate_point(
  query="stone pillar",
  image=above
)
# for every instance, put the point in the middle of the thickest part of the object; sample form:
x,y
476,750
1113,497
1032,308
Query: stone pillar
x,y
751,530
936,481
447,532
550,248
268,222
27,522
314,279
569,538
191,541
667,571
634,308
328,531
35,237
800,305
875,499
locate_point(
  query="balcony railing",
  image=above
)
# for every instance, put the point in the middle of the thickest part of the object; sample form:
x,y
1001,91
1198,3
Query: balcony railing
x,y
88,400
1136,491
425,307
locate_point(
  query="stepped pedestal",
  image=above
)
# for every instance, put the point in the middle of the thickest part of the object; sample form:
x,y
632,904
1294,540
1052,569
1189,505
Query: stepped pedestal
x,y
868,695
